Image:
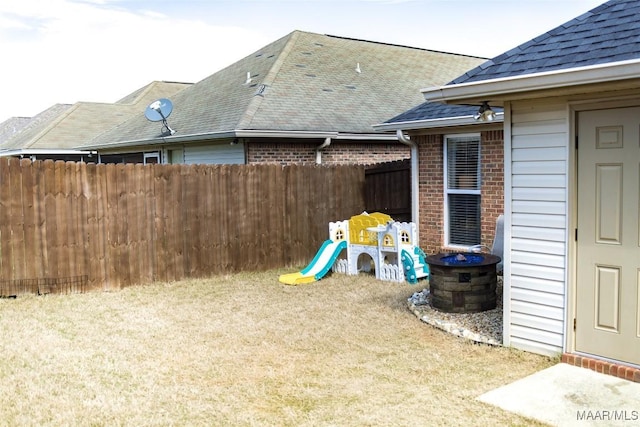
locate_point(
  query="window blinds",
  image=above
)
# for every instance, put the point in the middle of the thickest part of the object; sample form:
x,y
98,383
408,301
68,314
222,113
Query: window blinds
x,y
463,191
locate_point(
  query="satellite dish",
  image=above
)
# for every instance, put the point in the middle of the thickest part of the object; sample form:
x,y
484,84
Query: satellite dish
x,y
158,111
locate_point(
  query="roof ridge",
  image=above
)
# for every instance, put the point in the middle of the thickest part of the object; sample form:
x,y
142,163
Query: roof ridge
x,y
403,46
256,100
146,89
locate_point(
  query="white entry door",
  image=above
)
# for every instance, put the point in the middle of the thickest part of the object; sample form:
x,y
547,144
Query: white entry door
x,y
608,246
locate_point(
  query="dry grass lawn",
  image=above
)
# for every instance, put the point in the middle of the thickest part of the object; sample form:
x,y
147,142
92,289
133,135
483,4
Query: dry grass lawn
x,y
245,350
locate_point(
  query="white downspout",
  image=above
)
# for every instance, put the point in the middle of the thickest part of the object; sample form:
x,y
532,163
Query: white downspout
x,y
415,184
325,144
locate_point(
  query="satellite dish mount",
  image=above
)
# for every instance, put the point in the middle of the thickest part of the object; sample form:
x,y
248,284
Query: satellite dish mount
x,y
159,111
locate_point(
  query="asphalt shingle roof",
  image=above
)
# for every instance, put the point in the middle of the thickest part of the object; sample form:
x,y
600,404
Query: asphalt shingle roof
x,y
303,82
14,126
607,33
66,126
431,110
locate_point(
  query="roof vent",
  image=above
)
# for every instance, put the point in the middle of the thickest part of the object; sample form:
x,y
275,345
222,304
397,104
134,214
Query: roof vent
x,y
247,81
260,90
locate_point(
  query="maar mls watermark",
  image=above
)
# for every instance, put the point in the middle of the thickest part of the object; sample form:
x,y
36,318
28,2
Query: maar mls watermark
x,y
607,415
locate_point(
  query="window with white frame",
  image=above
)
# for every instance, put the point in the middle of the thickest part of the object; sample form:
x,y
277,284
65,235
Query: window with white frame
x,y
462,190
153,157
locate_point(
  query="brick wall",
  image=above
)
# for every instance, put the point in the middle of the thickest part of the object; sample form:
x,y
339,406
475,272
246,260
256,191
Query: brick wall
x,y
430,178
283,153
341,153
336,153
431,169
431,189
492,169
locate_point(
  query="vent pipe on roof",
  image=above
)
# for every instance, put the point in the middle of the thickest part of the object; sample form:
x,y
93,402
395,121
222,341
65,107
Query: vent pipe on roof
x,y
415,210
319,148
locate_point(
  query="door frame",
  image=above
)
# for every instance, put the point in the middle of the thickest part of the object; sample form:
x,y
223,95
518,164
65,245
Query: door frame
x,y
575,107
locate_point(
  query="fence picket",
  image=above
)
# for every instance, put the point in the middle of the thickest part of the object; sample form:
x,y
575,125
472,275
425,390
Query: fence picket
x,y
17,259
5,221
29,219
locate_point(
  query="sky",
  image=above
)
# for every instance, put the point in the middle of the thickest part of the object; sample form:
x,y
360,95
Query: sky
x,y
68,51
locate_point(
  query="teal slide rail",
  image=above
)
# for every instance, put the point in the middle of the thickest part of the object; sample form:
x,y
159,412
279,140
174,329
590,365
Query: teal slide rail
x,y
342,245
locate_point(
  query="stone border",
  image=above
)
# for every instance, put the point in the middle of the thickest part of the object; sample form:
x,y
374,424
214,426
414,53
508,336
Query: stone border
x,y
419,305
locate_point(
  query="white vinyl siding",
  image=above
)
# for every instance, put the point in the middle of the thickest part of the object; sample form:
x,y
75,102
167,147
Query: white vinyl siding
x,y
214,154
537,248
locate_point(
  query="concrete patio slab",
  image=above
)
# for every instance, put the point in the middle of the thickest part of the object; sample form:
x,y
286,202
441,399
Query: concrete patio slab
x,y
565,395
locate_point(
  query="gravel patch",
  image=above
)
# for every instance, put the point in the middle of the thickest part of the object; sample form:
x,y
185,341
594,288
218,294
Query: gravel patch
x,y
484,327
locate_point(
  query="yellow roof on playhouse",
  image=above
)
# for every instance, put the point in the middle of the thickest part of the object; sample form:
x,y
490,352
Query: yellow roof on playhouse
x,y
367,238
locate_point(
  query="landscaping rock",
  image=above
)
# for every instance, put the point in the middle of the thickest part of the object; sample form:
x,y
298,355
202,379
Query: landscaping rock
x,y
482,327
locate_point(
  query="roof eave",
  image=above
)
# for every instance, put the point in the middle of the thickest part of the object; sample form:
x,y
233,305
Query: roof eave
x,y
162,140
443,122
240,133
41,151
489,89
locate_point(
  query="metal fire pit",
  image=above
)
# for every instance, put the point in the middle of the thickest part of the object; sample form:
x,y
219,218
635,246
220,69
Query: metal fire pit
x,y
463,282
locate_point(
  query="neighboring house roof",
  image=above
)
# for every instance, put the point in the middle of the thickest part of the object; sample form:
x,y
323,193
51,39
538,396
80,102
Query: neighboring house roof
x,y
607,33
13,126
303,82
64,127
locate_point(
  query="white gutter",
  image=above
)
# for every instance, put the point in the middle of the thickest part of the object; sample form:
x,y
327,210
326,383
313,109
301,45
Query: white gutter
x,y
436,123
282,134
177,138
484,89
319,148
367,136
40,151
415,183
163,140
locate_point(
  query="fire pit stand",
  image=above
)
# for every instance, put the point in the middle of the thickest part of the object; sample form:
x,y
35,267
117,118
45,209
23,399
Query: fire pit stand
x,y
463,282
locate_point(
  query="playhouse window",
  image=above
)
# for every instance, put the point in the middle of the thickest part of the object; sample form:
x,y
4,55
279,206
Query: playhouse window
x,y
462,190
388,240
339,234
404,237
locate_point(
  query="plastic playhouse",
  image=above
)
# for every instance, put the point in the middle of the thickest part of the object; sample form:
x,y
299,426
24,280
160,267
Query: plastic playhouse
x,y
367,238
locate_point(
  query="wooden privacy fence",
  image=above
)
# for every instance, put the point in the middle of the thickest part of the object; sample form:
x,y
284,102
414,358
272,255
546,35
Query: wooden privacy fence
x,y
388,189
72,227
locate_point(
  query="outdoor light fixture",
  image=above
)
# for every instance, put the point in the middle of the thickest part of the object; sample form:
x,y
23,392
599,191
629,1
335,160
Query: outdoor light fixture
x,y
485,113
